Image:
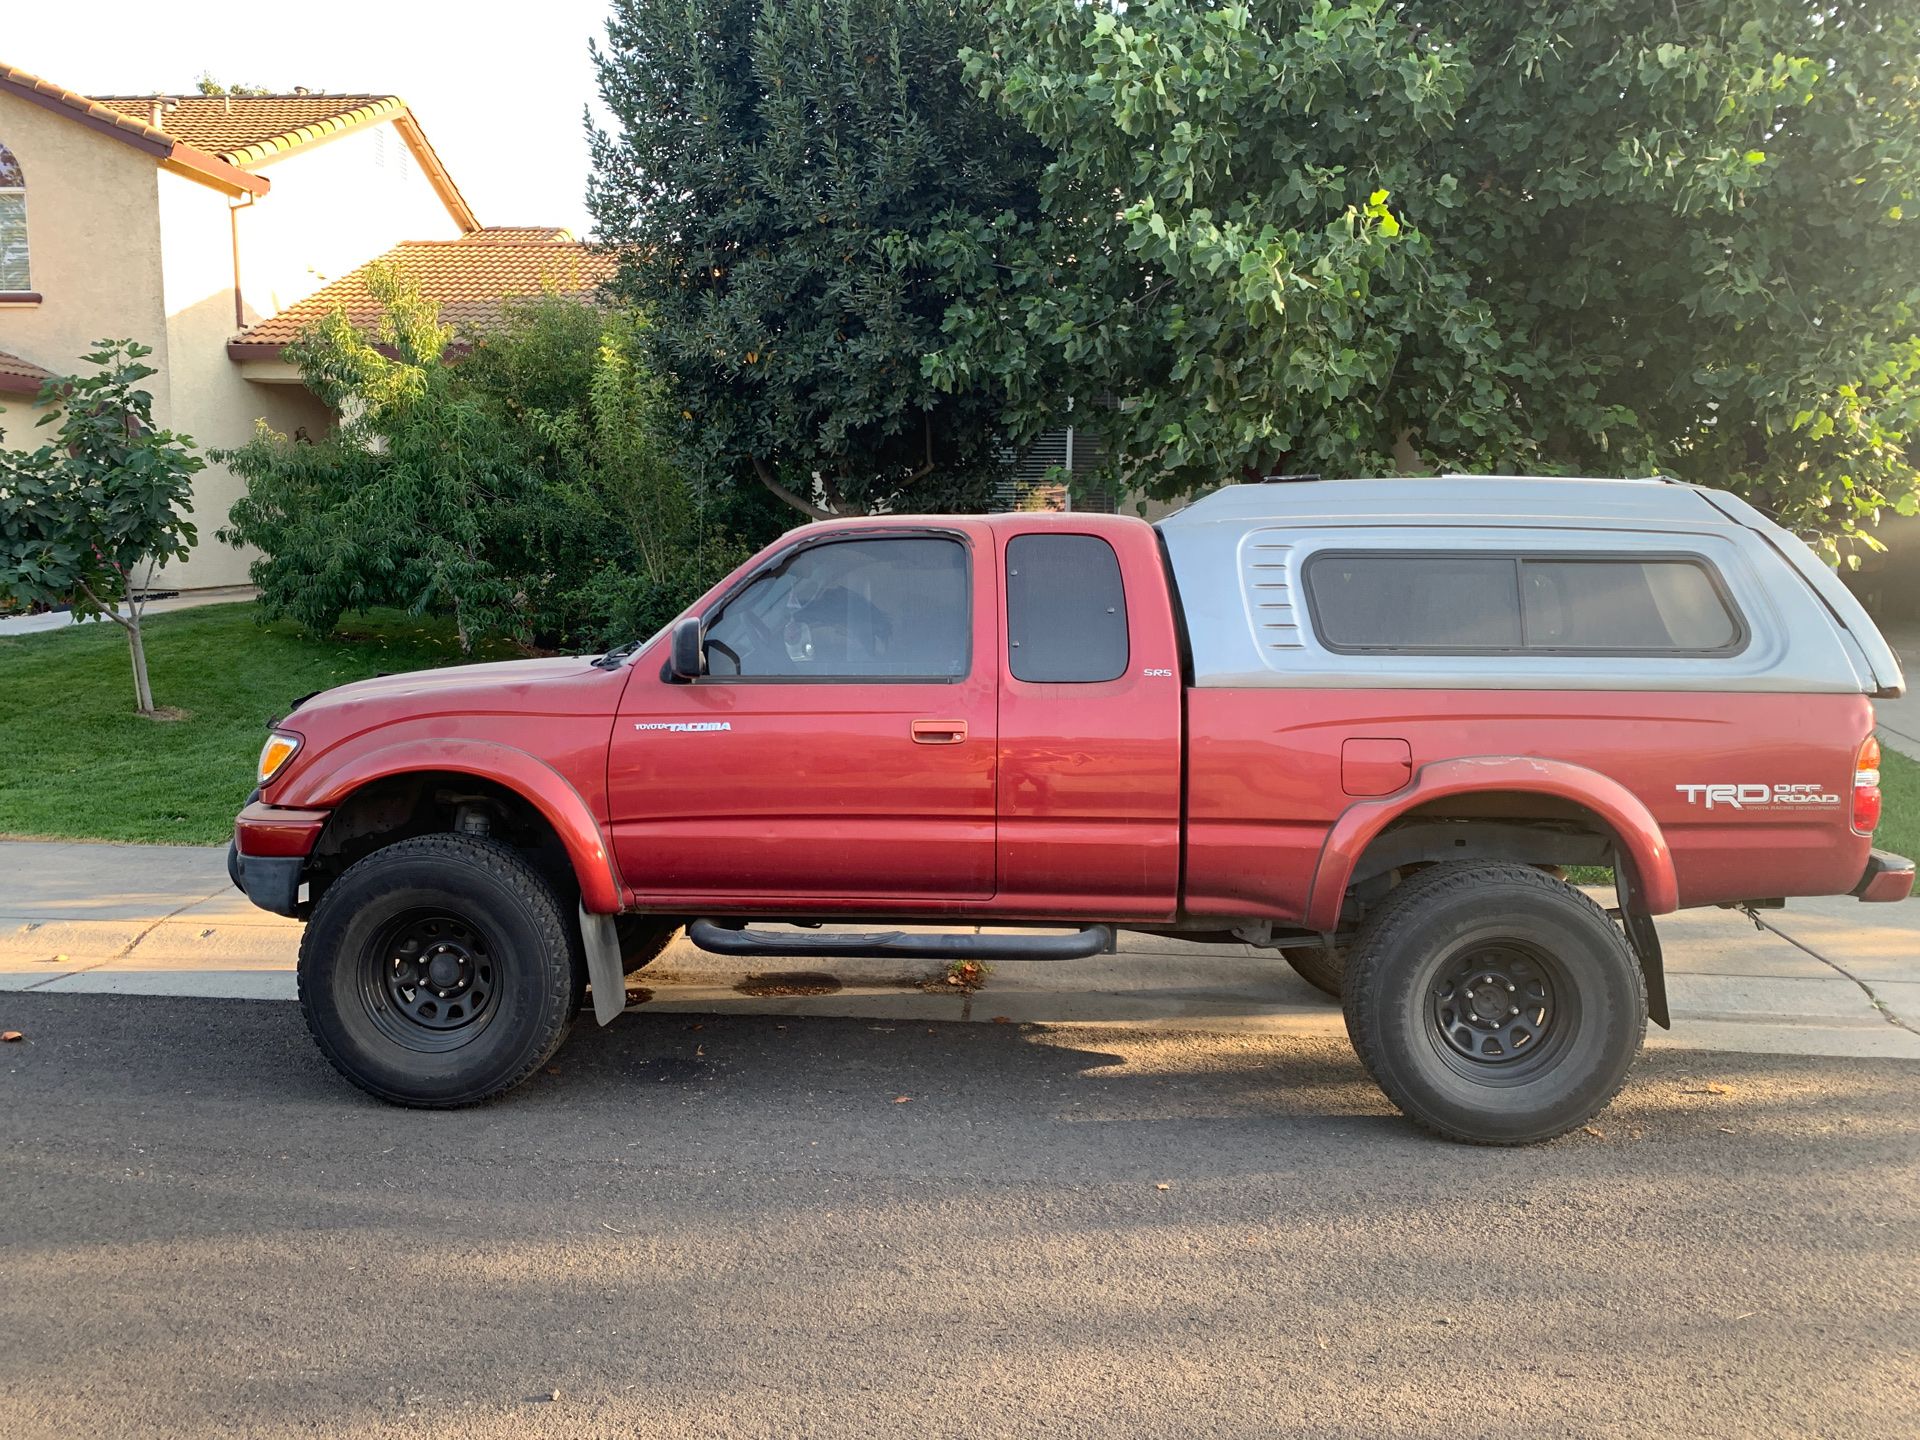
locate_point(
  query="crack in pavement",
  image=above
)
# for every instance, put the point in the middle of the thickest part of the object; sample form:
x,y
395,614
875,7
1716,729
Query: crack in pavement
x,y
130,946
1887,1012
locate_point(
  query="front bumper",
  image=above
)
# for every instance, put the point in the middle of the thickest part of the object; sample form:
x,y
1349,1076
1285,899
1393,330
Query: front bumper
x,y
1888,877
269,853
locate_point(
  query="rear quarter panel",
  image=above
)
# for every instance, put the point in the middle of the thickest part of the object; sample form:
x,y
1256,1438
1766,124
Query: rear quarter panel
x,y
1265,778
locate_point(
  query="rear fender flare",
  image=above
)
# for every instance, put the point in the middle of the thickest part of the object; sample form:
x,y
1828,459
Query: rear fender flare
x,y
535,781
1633,825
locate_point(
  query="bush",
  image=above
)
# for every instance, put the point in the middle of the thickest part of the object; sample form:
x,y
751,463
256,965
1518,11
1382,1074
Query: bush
x,y
528,489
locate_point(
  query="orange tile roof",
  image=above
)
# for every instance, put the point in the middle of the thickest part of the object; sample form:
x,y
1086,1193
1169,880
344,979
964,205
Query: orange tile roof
x,y
246,130
470,279
516,234
168,149
21,377
243,129
219,136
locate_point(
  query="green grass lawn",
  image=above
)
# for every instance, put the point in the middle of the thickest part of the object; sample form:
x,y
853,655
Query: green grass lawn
x,y
1900,800
75,761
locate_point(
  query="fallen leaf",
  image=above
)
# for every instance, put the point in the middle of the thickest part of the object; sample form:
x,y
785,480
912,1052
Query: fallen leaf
x,y
1163,1185
1594,1130
9,1036
553,1069
1724,1130
1003,1020
901,1099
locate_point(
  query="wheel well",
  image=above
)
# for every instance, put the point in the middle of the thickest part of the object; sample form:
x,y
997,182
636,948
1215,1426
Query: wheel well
x,y
428,802
1514,826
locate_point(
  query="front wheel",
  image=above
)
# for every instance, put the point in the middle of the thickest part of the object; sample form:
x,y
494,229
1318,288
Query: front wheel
x,y
438,972
1495,1005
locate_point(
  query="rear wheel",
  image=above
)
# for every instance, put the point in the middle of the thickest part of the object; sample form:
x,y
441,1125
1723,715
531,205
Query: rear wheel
x,y
438,971
1321,966
1494,1004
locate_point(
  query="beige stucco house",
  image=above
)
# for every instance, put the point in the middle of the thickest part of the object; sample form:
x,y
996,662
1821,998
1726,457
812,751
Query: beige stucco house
x,y
210,227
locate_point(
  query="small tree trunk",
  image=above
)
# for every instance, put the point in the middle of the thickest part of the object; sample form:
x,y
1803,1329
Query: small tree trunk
x,y
460,629
142,691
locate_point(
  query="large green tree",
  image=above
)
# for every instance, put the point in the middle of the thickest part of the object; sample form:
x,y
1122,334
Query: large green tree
x,y
776,179
1610,236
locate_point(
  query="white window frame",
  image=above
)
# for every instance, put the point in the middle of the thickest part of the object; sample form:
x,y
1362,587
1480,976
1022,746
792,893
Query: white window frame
x,y
20,190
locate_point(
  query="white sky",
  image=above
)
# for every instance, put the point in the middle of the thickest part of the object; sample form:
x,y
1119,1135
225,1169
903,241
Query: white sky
x,y
497,86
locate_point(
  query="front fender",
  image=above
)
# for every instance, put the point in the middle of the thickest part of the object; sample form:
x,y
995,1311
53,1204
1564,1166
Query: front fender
x,y
1632,823
332,780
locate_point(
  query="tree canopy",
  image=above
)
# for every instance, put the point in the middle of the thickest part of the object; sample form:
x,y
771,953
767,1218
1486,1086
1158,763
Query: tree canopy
x,y
776,177
87,516
1610,236
528,488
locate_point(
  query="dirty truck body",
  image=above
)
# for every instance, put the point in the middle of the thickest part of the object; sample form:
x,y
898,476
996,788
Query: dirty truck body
x,y
1367,724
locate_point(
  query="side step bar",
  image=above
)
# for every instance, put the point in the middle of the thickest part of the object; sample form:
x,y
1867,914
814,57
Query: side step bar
x,y
724,939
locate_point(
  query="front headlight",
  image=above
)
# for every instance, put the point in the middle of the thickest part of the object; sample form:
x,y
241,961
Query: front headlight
x,y
275,754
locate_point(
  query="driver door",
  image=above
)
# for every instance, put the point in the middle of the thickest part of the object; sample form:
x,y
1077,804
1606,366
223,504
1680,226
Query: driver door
x,y
842,744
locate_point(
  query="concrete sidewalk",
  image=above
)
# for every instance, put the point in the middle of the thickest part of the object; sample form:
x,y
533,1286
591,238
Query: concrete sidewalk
x,y
1825,977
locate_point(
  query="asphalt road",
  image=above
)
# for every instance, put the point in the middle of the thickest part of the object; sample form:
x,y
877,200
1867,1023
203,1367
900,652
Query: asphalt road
x,y
740,1227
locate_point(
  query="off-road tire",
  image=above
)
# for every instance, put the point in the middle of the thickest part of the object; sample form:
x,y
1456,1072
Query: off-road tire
x,y
1325,966
1494,919
1321,966
517,946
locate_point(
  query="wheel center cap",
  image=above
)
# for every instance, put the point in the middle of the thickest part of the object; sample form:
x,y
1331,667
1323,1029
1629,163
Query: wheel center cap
x,y
1489,1002
443,971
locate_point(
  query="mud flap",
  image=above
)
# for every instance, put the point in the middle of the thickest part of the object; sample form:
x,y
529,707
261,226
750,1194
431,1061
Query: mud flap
x,y
605,972
1645,941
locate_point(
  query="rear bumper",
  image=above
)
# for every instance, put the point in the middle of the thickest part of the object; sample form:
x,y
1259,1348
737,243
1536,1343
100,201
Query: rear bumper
x,y
269,851
1888,877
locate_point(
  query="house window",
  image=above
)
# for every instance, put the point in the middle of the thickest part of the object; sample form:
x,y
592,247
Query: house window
x,y
13,225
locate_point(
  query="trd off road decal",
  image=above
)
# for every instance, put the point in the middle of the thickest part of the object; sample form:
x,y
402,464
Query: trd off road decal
x,y
1758,797
684,727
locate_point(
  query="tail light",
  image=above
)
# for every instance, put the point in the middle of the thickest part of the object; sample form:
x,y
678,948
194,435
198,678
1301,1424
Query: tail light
x,y
1866,788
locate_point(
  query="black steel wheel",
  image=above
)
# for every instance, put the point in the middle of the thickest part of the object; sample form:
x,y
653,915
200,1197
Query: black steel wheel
x,y
438,971
1495,1004
429,978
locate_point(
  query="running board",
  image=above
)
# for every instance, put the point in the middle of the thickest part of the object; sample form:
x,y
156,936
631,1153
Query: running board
x,y
723,939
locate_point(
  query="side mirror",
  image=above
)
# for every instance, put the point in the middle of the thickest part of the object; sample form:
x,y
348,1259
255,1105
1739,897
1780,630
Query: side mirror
x,y
686,659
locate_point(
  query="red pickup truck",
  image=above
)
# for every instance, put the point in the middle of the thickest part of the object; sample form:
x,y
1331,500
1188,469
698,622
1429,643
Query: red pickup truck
x,y
1368,725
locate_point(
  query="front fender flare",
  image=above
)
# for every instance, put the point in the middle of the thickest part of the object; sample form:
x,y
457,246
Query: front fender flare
x,y
1633,825
528,776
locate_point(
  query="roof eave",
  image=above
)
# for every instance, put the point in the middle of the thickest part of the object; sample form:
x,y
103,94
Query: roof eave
x,y
202,166
437,175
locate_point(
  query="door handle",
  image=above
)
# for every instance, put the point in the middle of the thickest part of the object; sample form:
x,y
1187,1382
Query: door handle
x,y
939,732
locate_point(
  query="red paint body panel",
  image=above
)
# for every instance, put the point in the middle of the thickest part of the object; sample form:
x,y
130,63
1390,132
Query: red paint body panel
x,y
267,830
814,791
1089,794
1264,792
539,727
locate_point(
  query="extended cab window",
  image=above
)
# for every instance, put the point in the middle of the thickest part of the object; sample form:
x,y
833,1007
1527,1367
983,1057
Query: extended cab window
x,y
1470,604
886,609
1066,610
